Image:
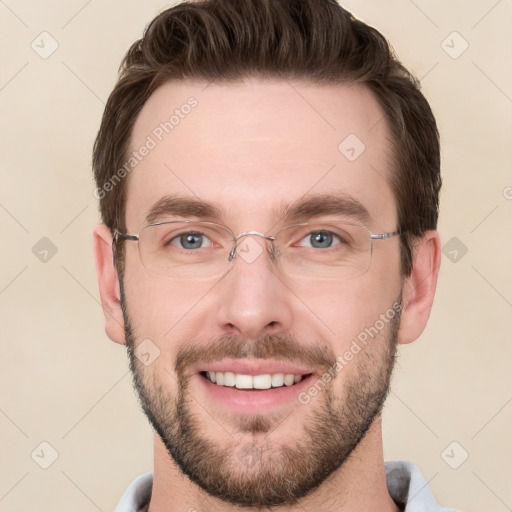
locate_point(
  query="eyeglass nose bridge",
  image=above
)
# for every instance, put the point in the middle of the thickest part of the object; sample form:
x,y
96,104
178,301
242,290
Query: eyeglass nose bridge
x,y
232,254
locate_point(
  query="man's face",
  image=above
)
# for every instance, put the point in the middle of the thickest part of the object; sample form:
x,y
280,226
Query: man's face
x,y
251,150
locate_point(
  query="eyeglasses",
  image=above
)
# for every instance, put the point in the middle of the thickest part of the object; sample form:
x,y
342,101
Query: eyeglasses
x,y
195,250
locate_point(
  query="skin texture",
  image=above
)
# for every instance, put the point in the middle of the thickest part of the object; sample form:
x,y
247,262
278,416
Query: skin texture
x,y
251,148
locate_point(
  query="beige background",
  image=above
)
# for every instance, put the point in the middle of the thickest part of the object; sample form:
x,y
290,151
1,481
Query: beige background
x,y
63,382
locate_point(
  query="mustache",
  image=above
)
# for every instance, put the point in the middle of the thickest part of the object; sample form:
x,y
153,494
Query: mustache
x,y
278,347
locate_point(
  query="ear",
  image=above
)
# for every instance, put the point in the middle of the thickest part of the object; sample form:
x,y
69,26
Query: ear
x,y
419,288
108,283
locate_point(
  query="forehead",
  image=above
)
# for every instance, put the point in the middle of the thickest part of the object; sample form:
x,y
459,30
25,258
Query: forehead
x,y
254,147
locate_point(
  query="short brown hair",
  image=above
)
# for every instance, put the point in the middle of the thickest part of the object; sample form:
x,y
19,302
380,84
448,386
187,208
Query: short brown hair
x,y
313,40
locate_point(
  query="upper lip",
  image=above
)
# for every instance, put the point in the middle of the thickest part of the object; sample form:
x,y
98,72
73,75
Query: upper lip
x,y
257,367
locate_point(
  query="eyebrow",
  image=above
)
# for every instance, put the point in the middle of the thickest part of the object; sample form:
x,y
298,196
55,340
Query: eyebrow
x,y
182,206
341,205
305,208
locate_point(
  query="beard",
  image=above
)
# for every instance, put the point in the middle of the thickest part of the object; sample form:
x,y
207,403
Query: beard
x,y
249,470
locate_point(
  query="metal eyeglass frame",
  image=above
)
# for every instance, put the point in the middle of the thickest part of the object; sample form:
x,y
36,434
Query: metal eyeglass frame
x,y
135,238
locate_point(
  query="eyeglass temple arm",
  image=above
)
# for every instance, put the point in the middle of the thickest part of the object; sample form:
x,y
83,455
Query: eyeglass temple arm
x,y
383,236
124,236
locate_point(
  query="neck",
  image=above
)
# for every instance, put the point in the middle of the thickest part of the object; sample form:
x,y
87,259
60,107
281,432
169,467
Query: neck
x,y
359,485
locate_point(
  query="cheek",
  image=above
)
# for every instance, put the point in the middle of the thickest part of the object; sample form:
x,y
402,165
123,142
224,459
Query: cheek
x,y
343,311
159,309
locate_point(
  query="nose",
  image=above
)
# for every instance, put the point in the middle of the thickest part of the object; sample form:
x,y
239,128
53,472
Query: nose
x,y
254,299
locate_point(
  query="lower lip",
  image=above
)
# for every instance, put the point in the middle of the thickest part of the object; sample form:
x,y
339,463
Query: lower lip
x,y
254,400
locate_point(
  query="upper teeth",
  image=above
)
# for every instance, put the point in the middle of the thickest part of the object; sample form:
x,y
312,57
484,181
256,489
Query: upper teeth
x,y
265,381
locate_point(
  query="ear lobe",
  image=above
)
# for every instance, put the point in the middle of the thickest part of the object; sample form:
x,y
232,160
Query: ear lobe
x,y
108,282
419,287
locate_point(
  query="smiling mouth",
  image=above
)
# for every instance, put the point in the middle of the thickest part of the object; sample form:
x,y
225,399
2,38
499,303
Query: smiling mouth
x,y
253,382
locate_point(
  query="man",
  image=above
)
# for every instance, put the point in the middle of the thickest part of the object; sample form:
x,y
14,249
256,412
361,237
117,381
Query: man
x,y
268,176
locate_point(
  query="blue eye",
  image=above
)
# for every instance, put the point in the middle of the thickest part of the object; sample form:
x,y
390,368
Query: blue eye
x,y
321,239
191,241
